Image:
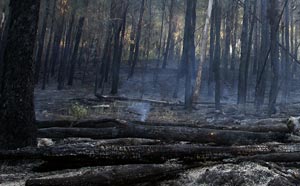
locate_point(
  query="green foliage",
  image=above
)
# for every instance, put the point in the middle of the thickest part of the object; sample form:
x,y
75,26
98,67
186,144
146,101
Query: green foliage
x,y
78,111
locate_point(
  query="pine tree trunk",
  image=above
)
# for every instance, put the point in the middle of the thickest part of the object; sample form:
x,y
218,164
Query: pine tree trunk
x,y
159,49
216,65
65,54
262,73
286,65
242,86
56,44
119,28
75,51
17,117
227,43
40,46
170,33
274,21
211,52
137,39
46,68
202,52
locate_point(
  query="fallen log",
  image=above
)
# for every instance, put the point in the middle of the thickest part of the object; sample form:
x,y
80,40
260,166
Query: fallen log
x,y
105,123
167,133
100,123
120,98
114,154
119,141
91,154
274,157
111,176
282,128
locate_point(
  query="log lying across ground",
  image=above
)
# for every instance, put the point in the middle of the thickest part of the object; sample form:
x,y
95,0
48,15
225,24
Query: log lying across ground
x,y
168,133
277,126
118,141
111,176
100,123
89,154
274,157
122,98
119,98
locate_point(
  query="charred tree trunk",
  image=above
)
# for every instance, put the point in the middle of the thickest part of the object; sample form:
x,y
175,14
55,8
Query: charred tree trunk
x,y
250,41
132,36
170,34
75,51
274,22
56,44
166,133
137,39
40,45
243,71
216,65
119,34
227,41
286,65
159,49
94,154
256,46
234,47
262,74
113,175
3,40
17,118
51,34
188,55
65,54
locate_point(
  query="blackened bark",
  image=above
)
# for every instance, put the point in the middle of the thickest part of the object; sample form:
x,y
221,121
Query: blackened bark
x,y
274,21
137,39
243,71
3,41
286,65
188,55
160,43
65,54
131,47
113,175
56,44
102,69
256,44
17,118
119,33
216,62
75,51
40,45
227,42
262,74
234,40
46,69
170,34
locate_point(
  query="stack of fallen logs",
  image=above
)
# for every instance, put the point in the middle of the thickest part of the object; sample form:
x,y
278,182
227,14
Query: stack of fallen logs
x,y
125,153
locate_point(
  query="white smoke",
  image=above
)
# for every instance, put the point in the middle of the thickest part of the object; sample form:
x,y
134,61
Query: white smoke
x,y
141,109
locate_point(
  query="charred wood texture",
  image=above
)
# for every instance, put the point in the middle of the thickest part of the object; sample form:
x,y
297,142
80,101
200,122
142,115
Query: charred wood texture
x,y
166,133
110,176
260,126
16,96
94,154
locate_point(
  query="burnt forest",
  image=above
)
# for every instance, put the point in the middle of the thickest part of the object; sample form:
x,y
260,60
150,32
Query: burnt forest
x,y
149,92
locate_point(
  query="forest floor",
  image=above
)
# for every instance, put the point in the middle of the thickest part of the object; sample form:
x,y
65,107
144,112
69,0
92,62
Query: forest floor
x,y
79,103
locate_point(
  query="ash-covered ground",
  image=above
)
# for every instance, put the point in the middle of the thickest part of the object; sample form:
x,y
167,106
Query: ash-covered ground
x,y
79,102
